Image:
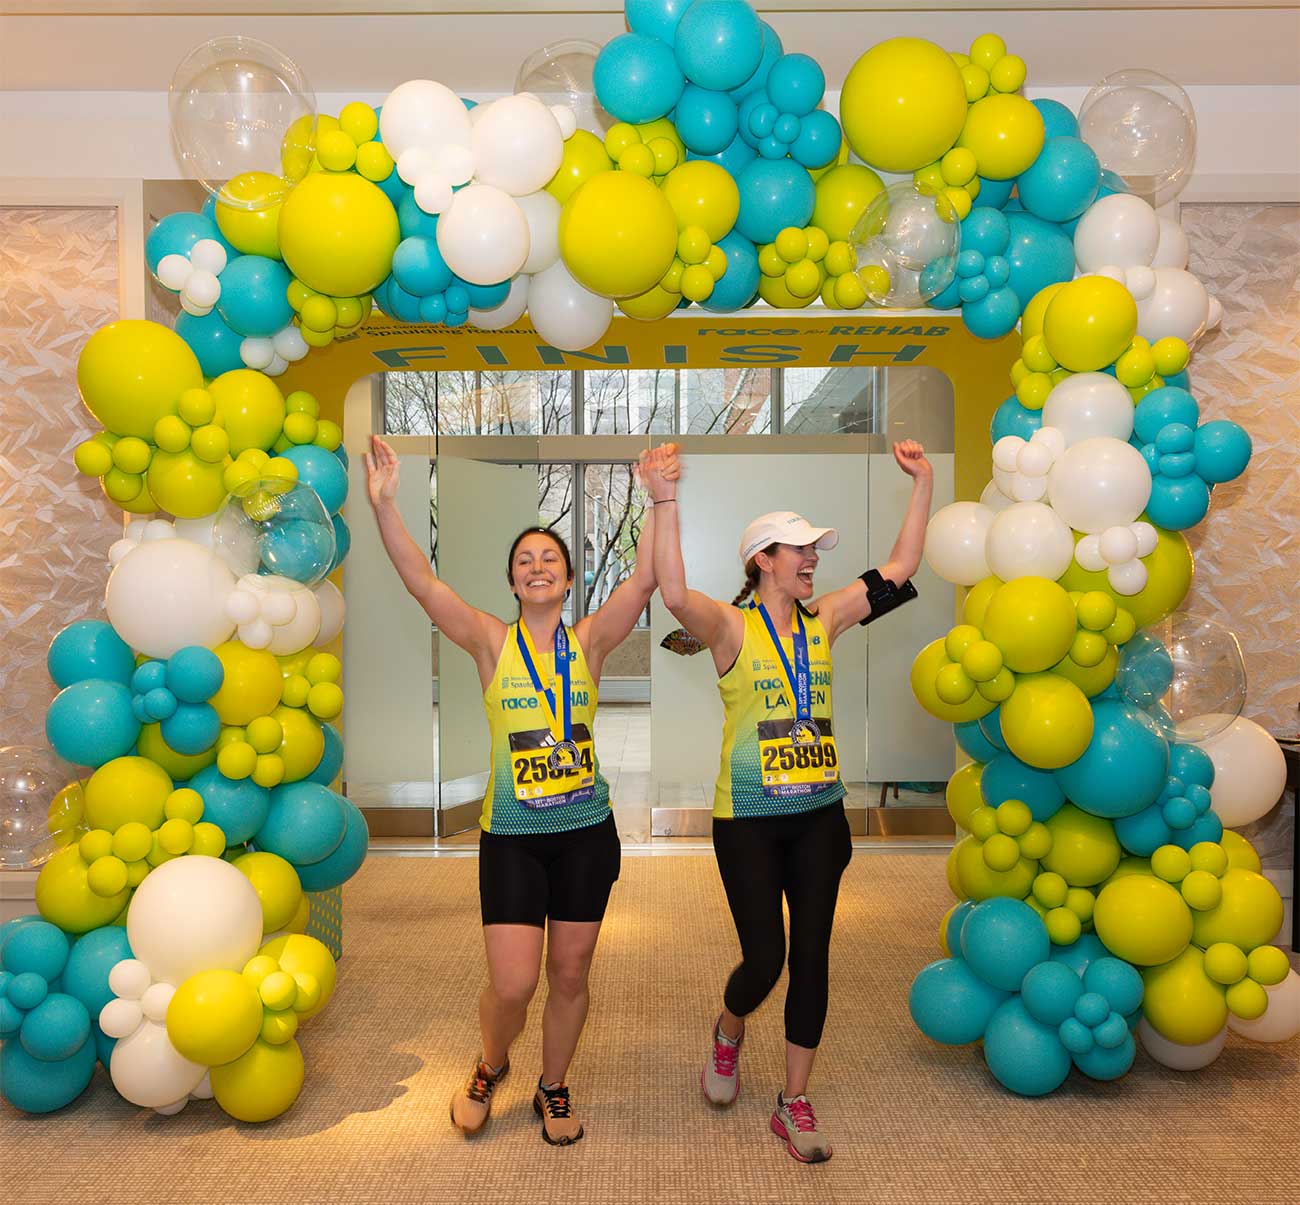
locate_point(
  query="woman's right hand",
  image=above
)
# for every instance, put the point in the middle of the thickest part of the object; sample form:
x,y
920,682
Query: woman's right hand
x,y
382,472
659,470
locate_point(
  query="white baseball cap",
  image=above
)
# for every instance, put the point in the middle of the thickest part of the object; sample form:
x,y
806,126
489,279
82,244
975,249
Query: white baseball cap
x,y
784,527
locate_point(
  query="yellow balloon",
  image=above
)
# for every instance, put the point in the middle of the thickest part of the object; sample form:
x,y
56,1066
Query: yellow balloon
x,y
64,896
251,408
1241,853
1092,680
277,886
253,231
1090,323
214,1017
618,234
903,104
1169,577
126,789
976,605
299,954
1248,915
963,793
185,486
338,233
1047,721
773,290
1005,133
979,882
584,157
1032,621
252,685
131,373
179,766
927,664
1085,850
304,742
843,194
1031,321
1142,920
703,194
657,302
298,921
262,1083
1181,1002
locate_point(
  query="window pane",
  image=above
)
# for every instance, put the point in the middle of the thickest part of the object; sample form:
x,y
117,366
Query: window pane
x,y
478,403
820,401
727,401
410,403
618,402
614,512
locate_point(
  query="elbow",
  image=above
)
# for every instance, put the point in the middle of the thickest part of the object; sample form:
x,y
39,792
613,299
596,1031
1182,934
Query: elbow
x,y
674,599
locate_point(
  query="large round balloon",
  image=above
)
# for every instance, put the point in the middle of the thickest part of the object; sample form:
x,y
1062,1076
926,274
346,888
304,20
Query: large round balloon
x,y
338,232
954,542
1024,1055
1249,772
618,235
1125,765
951,1004
132,373
1090,323
1099,483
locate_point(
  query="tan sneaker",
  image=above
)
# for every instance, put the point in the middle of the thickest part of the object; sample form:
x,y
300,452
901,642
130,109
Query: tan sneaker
x,y
551,1104
471,1106
796,1123
720,1078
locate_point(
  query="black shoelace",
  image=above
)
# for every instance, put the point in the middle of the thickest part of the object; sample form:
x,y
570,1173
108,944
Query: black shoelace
x,y
480,1087
557,1100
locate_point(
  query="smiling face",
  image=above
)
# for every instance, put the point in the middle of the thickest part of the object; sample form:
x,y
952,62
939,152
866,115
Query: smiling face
x,y
539,573
791,568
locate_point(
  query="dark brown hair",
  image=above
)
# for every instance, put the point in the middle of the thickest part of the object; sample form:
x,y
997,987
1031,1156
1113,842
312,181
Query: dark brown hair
x,y
752,574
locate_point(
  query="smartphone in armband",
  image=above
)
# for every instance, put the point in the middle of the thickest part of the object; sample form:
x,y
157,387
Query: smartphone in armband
x,y
883,595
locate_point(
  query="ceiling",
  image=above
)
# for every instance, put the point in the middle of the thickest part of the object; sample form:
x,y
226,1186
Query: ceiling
x,y
475,45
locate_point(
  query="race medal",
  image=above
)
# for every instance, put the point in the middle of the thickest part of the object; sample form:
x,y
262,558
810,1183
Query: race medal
x,y
796,759
550,768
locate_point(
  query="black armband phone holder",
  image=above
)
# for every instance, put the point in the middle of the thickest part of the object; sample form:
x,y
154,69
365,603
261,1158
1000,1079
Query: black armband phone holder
x,y
883,595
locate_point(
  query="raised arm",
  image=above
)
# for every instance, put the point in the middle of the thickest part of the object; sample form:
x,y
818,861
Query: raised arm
x,y
717,625
477,632
841,609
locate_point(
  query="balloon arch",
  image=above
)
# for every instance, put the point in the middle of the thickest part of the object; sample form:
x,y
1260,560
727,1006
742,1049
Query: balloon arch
x,y
687,163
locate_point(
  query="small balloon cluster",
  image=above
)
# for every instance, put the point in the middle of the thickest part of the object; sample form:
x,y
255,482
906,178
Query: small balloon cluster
x,y
1103,889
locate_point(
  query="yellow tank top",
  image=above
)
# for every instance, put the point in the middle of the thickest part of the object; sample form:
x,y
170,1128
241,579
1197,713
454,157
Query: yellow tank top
x,y
764,772
527,790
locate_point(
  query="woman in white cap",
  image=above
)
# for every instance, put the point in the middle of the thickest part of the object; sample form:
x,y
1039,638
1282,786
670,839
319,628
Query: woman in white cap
x,y
778,817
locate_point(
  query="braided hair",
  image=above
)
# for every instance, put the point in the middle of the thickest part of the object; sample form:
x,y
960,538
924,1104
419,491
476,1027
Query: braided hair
x,y
752,575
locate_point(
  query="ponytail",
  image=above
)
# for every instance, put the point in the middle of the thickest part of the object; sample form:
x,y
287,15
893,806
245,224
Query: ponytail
x,y
752,575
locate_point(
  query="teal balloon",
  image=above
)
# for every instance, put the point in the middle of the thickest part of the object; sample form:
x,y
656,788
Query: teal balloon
x,y
300,549
176,234
1062,182
1011,418
237,807
655,18
1144,832
1222,451
214,344
1024,1055
1007,777
89,648
774,194
93,956
1058,121
321,471
1116,981
194,674
1103,1063
342,541
1039,254
637,79
192,728
1081,953
995,193
331,762
305,823
254,296
706,121
739,284
951,1004
1002,940
38,1086
1050,991
772,50
39,948
991,727
346,859
719,43
1125,765
56,1028
972,741
1162,407
92,722
734,157
1177,503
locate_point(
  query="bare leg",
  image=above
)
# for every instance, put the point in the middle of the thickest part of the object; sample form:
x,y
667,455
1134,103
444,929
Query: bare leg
x,y
798,1067
569,949
514,956
732,1026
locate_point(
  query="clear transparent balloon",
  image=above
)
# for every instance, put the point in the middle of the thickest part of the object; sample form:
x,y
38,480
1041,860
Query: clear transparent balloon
x,y
1187,672
1142,127
240,105
31,777
560,74
275,527
906,250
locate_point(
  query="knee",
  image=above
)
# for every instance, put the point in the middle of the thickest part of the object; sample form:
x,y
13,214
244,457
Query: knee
x,y
764,969
568,977
513,990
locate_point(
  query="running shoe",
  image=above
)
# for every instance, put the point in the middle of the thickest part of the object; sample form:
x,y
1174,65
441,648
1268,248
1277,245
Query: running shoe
x,y
551,1103
720,1078
470,1107
795,1123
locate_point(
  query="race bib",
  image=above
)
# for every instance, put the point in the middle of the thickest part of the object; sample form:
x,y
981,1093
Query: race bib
x,y
795,769
540,785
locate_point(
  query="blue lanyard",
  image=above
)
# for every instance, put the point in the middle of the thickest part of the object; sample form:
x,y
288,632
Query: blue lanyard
x,y
524,641
799,677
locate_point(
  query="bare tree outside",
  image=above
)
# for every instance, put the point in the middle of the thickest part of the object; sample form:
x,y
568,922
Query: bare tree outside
x,y
619,402
727,401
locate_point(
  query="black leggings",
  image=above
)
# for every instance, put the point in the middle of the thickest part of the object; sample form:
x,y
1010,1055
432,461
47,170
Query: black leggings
x,y
801,856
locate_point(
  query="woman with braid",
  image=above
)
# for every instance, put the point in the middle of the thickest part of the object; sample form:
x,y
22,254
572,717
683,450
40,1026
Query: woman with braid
x,y
778,815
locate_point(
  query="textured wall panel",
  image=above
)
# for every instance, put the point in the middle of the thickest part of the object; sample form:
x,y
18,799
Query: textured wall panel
x,y
1248,549
58,284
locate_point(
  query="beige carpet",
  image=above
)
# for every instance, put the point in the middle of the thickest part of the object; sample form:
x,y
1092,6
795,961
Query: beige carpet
x,y
910,1121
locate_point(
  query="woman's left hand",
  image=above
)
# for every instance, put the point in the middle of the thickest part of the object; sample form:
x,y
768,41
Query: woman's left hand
x,y
911,459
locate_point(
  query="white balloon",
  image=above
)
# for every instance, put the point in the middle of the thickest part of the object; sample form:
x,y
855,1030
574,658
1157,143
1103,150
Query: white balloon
x,y
483,235
414,163
566,119
1147,538
257,353
508,312
120,1017
954,542
1172,251
193,914
277,366
1281,1020
190,306
204,1089
173,271
158,529
289,343
1178,306
1118,545
1088,553
147,1069
330,600
1099,483
119,548
167,594
1249,772
1029,539
256,634
543,214
1175,1055
287,617
1119,229
565,314
1127,578
129,979
433,192
1215,315
208,255
278,609
422,113
155,1000
455,164
1006,452
242,606
1035,458
172,1109
994,498
1140,281
517,143
202,288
